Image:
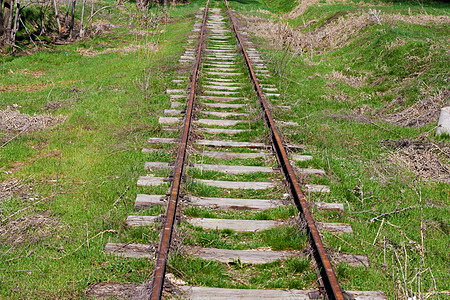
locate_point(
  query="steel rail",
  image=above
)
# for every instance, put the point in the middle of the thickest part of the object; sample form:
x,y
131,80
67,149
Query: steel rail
x,y
166,237
328,276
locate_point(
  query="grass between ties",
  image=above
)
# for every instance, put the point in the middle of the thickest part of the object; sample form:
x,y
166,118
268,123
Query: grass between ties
x,y
368,106
78,178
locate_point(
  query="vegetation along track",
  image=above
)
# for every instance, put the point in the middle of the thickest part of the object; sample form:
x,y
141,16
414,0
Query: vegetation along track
x,y
231,181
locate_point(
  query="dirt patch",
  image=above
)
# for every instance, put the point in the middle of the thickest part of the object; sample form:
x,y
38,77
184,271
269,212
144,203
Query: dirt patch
x,y
130,48
30,87
29,229
35,74
13,187
425,159
101,26
14,121
108,290
23,87
54,105
300,9
420,113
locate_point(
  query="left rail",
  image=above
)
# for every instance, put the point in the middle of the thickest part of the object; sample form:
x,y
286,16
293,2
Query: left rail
x,y
174,193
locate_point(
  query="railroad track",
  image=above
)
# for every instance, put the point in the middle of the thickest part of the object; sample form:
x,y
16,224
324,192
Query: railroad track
x,y
228,133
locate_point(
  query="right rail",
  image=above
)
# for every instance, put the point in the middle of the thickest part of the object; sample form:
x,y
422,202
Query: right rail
x,y
327,273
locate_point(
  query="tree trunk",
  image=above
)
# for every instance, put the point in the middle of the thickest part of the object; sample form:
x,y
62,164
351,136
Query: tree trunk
x,y
92,14
16,23
1,17
42,13
6,6
9,20
82,19
66,19
72,20
57,16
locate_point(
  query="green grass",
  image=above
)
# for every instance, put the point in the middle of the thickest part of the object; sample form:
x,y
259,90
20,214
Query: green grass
x,y
282,212
203,190
90,159
260,161
93,158
285,237
293,273
274,6
395,59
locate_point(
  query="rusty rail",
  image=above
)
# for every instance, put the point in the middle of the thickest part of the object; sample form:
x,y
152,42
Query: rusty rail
x,y
166,237
328,276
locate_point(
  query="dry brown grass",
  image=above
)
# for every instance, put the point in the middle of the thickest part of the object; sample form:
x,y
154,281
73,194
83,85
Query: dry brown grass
x,y
300,9
420,113
130,48
348,79
28,229
33,87
279,34
14,121
13,187
417,19
35,74
426,160
333,34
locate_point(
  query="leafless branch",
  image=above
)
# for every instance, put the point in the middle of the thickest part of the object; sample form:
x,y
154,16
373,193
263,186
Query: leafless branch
x,y
395,211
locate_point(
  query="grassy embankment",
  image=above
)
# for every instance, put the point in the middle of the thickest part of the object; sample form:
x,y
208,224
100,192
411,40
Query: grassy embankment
x,y
64,208
357,86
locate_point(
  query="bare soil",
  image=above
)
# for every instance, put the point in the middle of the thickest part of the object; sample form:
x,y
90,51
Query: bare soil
x,y
130,48
13,187
14,121
29,229
35,74
108,290
54,105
